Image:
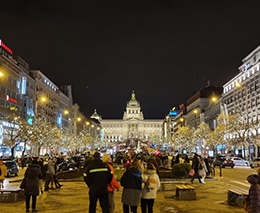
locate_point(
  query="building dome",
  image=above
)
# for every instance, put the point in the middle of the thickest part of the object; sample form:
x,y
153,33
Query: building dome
x,y
96,116
133,101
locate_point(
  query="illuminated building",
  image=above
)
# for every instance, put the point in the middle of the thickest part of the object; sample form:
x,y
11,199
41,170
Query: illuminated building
x,y
133,126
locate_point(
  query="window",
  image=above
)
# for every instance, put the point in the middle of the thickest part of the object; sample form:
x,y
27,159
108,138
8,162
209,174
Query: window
x,y
2,102
14,82
9,79
13,95
3,89
8,92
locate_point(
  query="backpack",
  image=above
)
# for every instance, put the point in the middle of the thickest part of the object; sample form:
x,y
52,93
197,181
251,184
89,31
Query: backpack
x,y
150,183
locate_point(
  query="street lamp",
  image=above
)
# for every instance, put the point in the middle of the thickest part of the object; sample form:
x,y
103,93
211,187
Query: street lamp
x,y
78,119
66,112
1,74
195,111
41,99
182,120
238,85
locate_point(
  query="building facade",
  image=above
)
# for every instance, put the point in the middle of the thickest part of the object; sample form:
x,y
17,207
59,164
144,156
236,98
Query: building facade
x,y
242,94
132,126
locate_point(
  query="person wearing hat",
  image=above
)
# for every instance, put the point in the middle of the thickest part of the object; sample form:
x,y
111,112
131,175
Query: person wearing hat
x,y
3,173
112,186
253,200
97,176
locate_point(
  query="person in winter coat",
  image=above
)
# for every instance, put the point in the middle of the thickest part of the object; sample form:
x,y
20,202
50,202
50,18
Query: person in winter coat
x,y
97,176
195,166
50,174
151,183
132,183
33,175
112,186
203,171
254,192
3,173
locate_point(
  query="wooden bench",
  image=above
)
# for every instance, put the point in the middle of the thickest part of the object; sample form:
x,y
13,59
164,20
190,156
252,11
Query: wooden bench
x,y
164,182
185,192
11,195
236,197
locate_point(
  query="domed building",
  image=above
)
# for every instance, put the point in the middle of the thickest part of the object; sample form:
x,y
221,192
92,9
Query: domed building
x,y
133,127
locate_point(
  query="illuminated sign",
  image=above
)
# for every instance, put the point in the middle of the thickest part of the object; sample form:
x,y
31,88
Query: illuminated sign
x,y
245,67
13,108
24,79
10,99
173,113
181,106
5,47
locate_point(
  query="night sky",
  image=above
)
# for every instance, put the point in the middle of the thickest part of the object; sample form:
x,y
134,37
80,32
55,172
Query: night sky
x,y
164,50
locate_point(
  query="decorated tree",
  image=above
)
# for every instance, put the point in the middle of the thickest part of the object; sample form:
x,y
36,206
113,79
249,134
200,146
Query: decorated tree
x,y
85,139
183,138
201,135
15,130
41,133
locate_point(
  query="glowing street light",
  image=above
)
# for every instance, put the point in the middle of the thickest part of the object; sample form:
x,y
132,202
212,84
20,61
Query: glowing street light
x,y
214,99
181,119
79,119
87,123
1,74
43,99
66,112
92,125
195,111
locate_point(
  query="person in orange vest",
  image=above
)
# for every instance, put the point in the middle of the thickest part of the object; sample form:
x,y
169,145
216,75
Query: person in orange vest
x,y
114,185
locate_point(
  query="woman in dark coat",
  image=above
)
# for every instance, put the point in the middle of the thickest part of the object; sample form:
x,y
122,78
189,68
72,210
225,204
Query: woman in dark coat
x,y
254,193
132,183
33,175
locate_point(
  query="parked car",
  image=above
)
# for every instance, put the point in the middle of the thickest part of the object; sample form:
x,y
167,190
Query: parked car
x,y
240,161
255,163
12,168
223,162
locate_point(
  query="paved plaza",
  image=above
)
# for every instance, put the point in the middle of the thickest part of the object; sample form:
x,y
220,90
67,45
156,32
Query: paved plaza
x,y
73,197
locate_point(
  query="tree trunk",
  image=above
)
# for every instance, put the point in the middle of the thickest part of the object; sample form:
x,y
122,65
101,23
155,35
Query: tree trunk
x,y
12,152
39,149
24,148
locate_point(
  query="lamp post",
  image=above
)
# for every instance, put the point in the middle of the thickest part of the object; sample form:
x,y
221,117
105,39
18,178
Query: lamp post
x,y
195,111
238,85
182,120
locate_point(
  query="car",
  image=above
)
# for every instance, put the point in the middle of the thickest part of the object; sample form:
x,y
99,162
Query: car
x,y
255,163
223,162
240,161
12,168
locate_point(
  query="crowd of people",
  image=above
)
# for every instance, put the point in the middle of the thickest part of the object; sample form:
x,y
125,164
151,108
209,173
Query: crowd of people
x,y
139,182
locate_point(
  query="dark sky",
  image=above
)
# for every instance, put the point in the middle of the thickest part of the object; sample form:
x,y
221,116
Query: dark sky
x,y
163,49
